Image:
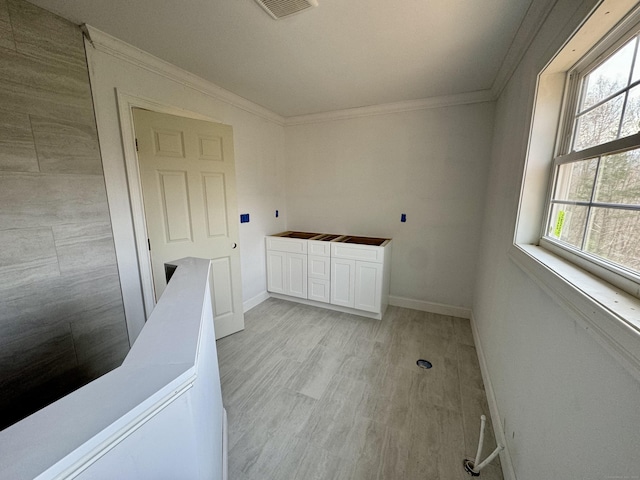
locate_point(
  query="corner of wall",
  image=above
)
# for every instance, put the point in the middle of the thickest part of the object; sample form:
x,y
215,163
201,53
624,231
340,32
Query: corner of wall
x,y
496,419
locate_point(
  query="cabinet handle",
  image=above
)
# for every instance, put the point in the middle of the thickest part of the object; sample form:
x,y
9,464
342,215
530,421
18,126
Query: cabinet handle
x,y
234,245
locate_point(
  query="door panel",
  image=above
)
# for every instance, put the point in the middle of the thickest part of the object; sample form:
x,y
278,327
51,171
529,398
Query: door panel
x,y
342,282
187,172
296,280
210,148
368,288
276,271
222,288
175,206
168,143
215,204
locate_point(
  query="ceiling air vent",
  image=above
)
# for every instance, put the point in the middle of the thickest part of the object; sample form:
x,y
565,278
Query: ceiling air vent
x,y
283,8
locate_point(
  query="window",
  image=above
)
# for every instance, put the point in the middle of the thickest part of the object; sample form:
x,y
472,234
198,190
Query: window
x,y
583,160
594,207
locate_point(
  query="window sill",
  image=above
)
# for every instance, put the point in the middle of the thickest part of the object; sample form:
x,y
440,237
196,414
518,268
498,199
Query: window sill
x,y
611,315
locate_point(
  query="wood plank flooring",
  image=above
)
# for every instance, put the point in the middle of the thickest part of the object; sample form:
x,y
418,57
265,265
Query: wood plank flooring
x,y
314,394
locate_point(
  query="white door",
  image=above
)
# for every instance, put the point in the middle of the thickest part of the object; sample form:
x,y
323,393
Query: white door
x,y
187,172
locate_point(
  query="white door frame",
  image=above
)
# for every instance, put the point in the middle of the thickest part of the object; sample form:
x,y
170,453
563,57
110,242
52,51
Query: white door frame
x,y
126,103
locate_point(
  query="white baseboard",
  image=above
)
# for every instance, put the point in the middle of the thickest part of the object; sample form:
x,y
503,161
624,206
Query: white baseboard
x,y
225,445
255,301
432,307
505,456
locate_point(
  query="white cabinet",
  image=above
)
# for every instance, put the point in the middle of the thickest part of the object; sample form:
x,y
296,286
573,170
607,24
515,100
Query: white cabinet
x,y
341,274
287,269
360,276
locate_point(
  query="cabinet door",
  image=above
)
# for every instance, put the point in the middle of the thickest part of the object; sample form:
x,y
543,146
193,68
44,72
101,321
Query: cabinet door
x,y
343,282
276,271
368,286
296,275
318,290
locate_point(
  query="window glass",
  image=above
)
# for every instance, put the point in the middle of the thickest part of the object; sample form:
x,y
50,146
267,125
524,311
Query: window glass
x,y
599,125
631,122
614,234
636,67
575,180
610,77
567,223
619,179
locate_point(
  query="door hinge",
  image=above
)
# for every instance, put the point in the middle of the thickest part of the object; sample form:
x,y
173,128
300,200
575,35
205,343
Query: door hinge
x,y
136,144
149,243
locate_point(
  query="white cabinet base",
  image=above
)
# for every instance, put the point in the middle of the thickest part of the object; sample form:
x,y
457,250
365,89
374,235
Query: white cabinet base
x,y
347,275
329,306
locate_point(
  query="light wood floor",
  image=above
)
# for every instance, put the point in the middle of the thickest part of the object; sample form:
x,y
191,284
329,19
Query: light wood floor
x,y
316,394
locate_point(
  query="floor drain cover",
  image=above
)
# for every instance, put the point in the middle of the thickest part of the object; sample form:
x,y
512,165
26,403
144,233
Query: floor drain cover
x,y
424,363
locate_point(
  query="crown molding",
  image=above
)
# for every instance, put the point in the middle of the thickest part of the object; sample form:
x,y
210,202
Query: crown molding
x,y
105,43
479,96
536,15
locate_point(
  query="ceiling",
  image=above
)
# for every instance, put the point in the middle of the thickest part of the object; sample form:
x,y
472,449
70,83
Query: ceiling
x,y
342,54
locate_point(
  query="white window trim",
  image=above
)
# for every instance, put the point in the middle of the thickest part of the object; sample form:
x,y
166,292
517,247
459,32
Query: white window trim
x,y
608,313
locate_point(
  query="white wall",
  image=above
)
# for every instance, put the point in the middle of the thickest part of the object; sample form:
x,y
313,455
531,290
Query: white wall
x,y
570,411
358,175
259,157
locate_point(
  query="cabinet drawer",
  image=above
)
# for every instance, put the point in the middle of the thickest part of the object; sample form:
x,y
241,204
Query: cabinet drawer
x,y
291,245
357,252
318,290
322,249
319,267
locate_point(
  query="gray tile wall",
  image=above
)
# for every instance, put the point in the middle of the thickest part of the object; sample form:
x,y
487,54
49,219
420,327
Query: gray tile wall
x,y
61,315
